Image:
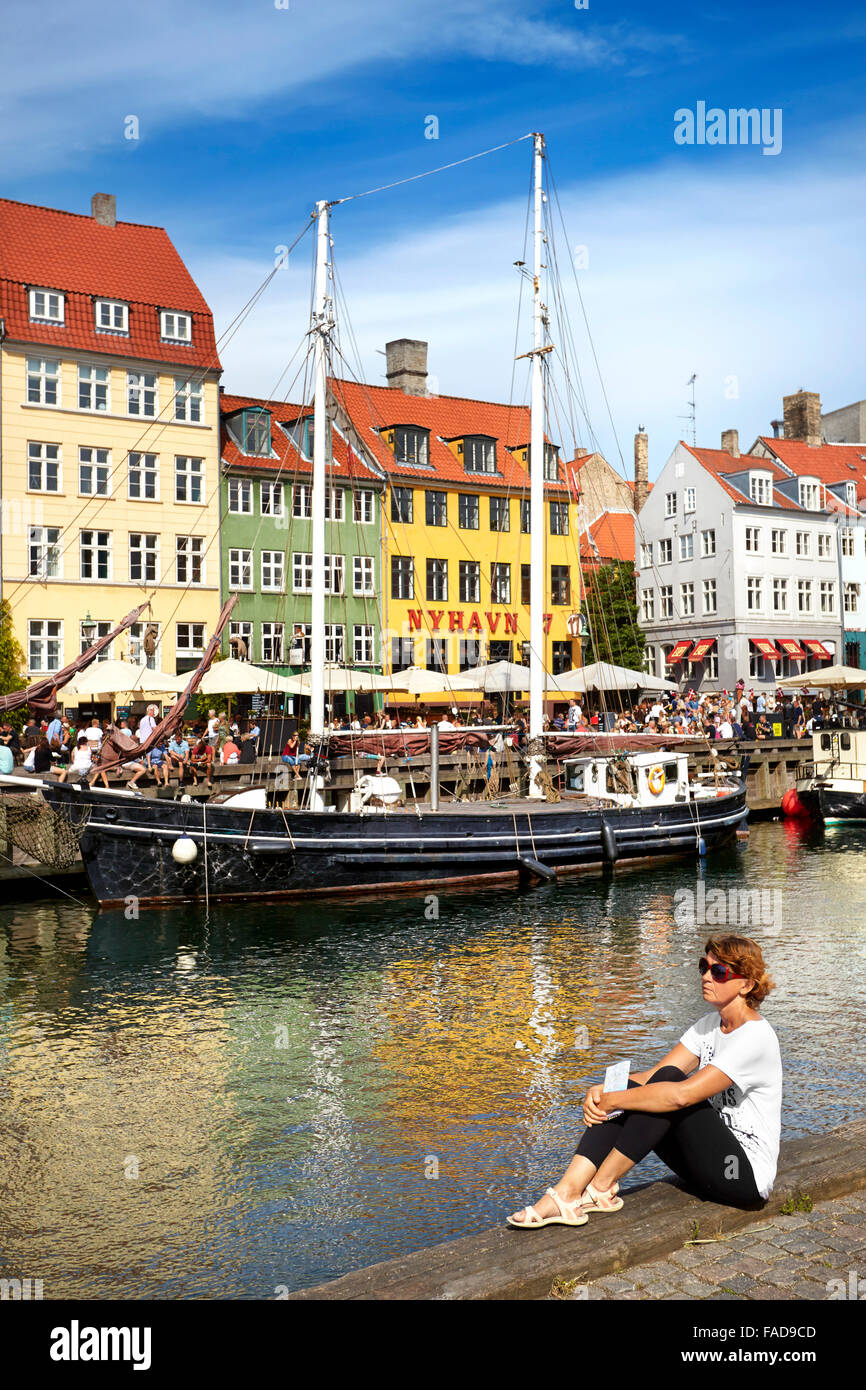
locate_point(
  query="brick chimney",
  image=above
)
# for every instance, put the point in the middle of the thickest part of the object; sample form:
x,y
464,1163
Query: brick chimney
x,y
641,468
731,442
103,209
406,366
802,413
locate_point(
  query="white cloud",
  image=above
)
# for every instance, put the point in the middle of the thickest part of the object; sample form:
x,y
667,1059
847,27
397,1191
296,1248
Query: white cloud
x,y
209,59
709,266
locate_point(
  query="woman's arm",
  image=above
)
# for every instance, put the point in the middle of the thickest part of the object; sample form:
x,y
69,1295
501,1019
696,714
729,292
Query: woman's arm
x,y
677,1057
665,1096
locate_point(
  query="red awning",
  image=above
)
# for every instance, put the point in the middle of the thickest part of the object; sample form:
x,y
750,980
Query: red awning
x,y
817,649
766,648
678,651
705,645
791,648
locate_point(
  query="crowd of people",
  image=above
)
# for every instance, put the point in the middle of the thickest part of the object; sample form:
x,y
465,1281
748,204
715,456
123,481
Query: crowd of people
x,y
72,750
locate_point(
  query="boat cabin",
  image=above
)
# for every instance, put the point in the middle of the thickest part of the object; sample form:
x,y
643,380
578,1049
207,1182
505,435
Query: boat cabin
x,y
839,753
635,779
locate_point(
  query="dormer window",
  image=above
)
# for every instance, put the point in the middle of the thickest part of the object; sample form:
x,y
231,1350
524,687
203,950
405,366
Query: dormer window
x,y
412,445
255,432
851,494
174,327
111,316
479,453
761,488
46,306
302,433
809,494
551,461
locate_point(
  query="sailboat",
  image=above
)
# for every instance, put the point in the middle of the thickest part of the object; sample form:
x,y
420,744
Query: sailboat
x,y
627,799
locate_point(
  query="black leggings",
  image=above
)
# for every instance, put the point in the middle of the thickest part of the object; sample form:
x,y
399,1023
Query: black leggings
x,y
695,1142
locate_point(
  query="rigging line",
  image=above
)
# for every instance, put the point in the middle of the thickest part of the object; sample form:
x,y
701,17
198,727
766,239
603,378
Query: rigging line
x,y
383,188
46,881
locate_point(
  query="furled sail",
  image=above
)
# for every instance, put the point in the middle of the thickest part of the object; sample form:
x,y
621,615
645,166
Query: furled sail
x,y
118,748
42,695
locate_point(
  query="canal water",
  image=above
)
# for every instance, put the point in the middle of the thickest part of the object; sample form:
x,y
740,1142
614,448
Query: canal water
x,y
256,1102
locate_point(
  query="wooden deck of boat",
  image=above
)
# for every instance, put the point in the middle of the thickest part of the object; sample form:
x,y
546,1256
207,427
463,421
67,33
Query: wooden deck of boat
x,y
519,805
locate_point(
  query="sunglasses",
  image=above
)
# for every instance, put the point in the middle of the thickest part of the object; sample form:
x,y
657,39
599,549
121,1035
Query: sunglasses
x,y
720,973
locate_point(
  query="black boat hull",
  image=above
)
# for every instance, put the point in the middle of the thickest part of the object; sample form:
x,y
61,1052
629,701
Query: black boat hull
x,y
831,804
127,845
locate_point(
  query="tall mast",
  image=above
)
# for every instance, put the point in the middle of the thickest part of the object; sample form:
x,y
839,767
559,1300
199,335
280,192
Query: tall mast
x,y
322,325
536,482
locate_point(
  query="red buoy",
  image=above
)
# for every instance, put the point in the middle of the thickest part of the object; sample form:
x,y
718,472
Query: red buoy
x,y
793,806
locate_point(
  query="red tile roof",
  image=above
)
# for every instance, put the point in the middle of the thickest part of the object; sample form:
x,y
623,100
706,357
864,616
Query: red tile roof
x,y
832,463
50,249
286,457
719,461
613,533
374,408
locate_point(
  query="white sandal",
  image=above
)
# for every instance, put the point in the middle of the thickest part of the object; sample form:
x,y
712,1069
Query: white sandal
x,y
570,1214
602,1201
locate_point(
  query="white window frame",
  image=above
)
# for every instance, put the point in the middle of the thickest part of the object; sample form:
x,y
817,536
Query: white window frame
x,y
804,543
273,571
244,630
44,636
274,491
302,501
241,492
363,576
189,549
827,596
302,572
825,545
142,390
687,546
240,569
754,593
95,548
95,382
753,540
271,633
809,494
145,468
335,504
646,555
666,550
687,600
779,541
149,554
804,596
189,470
137,655
851,596
44,545
689,500
648,605
114,310
93,464
670,504
363,644
175,326
196,648
708,542
51,300
363,508
709,597
44,374
335,643
188,401
761,489
847,539
780,595
666,601
44,460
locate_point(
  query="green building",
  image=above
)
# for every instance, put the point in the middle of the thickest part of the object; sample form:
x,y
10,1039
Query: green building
x,y
266,541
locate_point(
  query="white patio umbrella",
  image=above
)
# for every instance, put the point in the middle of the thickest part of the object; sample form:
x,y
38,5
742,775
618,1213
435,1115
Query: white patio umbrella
x,y
832,677
339,679
500,677
420,682
123,678
233,677
603,676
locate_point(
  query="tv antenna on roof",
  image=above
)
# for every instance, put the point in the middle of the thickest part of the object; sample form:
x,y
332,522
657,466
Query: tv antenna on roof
x,y
692,415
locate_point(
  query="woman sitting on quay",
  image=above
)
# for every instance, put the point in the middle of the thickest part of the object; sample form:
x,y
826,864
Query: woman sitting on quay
x,y
710,1109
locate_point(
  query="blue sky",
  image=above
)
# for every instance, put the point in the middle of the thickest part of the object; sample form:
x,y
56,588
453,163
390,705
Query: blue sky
x,y
742,267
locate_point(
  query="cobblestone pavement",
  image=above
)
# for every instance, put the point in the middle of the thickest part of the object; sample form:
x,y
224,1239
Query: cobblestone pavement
x,y
780,1257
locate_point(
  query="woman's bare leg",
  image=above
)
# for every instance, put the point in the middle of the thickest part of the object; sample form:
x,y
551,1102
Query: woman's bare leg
x,y
573,1182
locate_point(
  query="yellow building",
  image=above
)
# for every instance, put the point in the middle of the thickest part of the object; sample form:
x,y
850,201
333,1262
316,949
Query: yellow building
x,y
109,388
456,535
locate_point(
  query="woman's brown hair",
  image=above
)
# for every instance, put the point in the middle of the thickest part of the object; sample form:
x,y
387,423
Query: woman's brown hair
x,y
744,956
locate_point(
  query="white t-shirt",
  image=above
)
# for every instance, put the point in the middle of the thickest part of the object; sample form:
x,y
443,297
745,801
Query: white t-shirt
x,y
94,737
752,1106
146,727
82,760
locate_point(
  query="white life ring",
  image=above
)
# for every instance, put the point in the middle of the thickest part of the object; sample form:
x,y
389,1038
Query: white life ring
x,y
656,779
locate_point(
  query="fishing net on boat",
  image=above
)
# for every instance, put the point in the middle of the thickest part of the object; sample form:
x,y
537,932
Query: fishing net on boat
x,y
29,823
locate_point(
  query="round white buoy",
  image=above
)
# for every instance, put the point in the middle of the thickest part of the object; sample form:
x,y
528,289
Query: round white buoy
x,y
184,850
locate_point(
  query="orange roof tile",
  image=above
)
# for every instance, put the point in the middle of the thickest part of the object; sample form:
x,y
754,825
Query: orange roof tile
x,y
286,457
613,533
47,248
832,463
374,408
719,461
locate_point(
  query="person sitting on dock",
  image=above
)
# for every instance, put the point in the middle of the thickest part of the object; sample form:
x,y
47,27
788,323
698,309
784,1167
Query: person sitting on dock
x,y
82,762
178,755
710,1109
230,753
201,759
